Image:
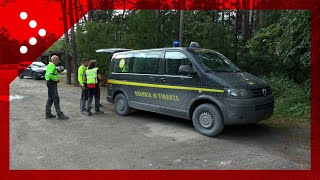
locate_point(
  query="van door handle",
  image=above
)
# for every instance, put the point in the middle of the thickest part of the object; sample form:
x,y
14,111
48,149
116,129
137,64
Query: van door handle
x,y
152,78
164,79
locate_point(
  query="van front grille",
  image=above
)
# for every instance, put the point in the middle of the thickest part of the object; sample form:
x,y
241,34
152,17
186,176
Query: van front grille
x,y
260,92
264,106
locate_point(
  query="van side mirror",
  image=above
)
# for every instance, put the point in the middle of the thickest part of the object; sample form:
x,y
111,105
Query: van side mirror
x,y
186,70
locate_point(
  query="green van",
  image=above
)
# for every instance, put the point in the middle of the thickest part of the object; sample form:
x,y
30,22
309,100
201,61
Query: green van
x,y
192,83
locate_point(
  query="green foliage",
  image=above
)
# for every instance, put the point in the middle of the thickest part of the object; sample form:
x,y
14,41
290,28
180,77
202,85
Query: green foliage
x,y
92,37
58,46
141,30
201,27
292,99
285,44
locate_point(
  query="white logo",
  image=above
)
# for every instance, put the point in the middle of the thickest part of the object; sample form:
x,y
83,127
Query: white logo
x,y
264,92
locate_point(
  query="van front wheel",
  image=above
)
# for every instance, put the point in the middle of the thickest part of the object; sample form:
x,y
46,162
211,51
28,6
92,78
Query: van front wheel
x,y
121,105
207,120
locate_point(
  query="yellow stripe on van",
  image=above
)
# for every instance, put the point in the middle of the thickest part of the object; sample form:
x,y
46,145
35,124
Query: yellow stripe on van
x,y
111,81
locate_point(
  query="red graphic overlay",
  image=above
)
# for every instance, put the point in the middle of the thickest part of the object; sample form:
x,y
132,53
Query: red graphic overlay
x,y
25,36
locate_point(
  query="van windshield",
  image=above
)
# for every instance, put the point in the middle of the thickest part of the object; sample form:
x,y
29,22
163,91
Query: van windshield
x,y
214,61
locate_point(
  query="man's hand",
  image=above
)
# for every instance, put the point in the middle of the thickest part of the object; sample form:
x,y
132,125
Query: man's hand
x,y
100,77
58,81
83,87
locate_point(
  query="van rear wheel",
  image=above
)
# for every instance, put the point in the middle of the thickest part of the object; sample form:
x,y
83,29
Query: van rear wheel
x,y
121,105
207,120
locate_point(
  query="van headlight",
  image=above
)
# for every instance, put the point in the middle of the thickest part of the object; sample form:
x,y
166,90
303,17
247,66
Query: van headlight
x,y
239,93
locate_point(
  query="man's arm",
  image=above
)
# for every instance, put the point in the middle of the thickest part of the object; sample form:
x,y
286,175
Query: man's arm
x,y
99,75
81,76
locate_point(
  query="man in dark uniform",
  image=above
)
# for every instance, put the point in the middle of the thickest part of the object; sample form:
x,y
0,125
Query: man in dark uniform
x,y
93,76
83,83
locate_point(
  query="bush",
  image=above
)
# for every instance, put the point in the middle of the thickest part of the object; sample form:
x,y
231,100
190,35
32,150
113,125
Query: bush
x,y
292,99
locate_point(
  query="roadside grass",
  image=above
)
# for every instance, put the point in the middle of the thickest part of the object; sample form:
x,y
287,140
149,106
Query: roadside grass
x,y
285,122
293,129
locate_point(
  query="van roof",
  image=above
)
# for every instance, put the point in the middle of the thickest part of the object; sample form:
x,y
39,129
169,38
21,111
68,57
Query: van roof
x,y
122,50
157,49
112,50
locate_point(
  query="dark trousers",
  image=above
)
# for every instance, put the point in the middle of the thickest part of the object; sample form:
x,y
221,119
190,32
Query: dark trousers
x,y
92,92
53,98
84,99
98,93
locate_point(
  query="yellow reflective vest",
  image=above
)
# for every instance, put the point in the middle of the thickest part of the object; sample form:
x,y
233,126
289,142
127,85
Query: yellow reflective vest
x,y
92,76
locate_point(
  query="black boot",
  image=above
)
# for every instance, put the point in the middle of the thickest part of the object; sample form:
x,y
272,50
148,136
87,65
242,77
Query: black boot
x,y
99,112
48,116
62,116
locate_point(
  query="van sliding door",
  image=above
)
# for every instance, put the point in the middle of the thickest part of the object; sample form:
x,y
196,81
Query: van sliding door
x,y
176,92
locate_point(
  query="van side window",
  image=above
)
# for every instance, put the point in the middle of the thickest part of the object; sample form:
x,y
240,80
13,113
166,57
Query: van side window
x,y
140,63
146,63
152,63
173,60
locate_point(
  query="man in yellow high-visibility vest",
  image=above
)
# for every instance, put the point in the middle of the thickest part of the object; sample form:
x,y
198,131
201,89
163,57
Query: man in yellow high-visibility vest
x,y
83,83
53,97
93,76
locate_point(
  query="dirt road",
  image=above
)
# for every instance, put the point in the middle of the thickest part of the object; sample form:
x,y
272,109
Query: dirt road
x,y
140,141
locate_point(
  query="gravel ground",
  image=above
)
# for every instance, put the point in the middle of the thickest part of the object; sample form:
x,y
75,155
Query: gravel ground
x,y
142,140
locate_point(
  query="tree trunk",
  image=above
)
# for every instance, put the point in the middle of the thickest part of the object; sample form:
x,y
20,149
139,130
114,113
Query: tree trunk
x,y
257,20
90,12
252,21
222,19
245,26
66,39
73,44
158,19
222,13
181,28
245,21
110,12
229,20
252,16
121,24
260,19
237,30
216,16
